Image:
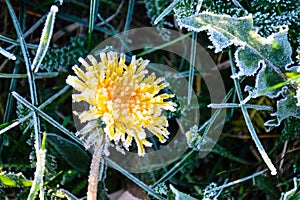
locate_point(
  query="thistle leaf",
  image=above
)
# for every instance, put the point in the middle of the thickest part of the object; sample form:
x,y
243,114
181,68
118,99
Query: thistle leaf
x,y
254,51
285,108
267,77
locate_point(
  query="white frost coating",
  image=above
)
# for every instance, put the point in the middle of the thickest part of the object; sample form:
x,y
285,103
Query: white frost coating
x,y
261,85
285,109
219,40
222,37
45,39
243,68
179,195
7,54
54,9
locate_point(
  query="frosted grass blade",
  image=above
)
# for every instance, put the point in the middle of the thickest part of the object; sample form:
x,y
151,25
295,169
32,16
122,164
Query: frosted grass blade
x,y
249,124
166,12
45,39
91,21
8,55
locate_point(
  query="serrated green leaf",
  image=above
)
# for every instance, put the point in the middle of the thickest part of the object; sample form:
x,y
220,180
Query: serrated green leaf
x,y
221,28
225,30
70,151
285,108
180,195
14,180
273,52
266,78
5,180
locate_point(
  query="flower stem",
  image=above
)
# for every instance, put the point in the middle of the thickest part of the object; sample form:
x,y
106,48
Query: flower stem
x,y
94,170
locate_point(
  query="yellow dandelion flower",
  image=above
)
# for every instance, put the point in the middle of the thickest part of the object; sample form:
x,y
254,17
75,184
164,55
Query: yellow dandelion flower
x,y
122,96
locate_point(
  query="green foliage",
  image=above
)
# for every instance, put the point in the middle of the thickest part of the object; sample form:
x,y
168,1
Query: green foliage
x,y
269,14
285,108
63,58
253,49
224,7
185,8
264,43
154,9
267,185
70,151
22,112
267,58
292,194
290,131
9,179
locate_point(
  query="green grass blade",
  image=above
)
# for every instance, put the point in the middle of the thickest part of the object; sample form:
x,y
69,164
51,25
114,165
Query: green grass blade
x,y
192,65
28,32
237,181
45,39
91,21
279,85
25,53
7,54
14,42
249,124
46,117
177,167
14,124
40,75
37,184
129,14
32,86
9,103
236,105
46,103
166,12
74,19
163,45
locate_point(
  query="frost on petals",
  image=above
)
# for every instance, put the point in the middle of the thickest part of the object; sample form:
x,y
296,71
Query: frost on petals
x,y
128,102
